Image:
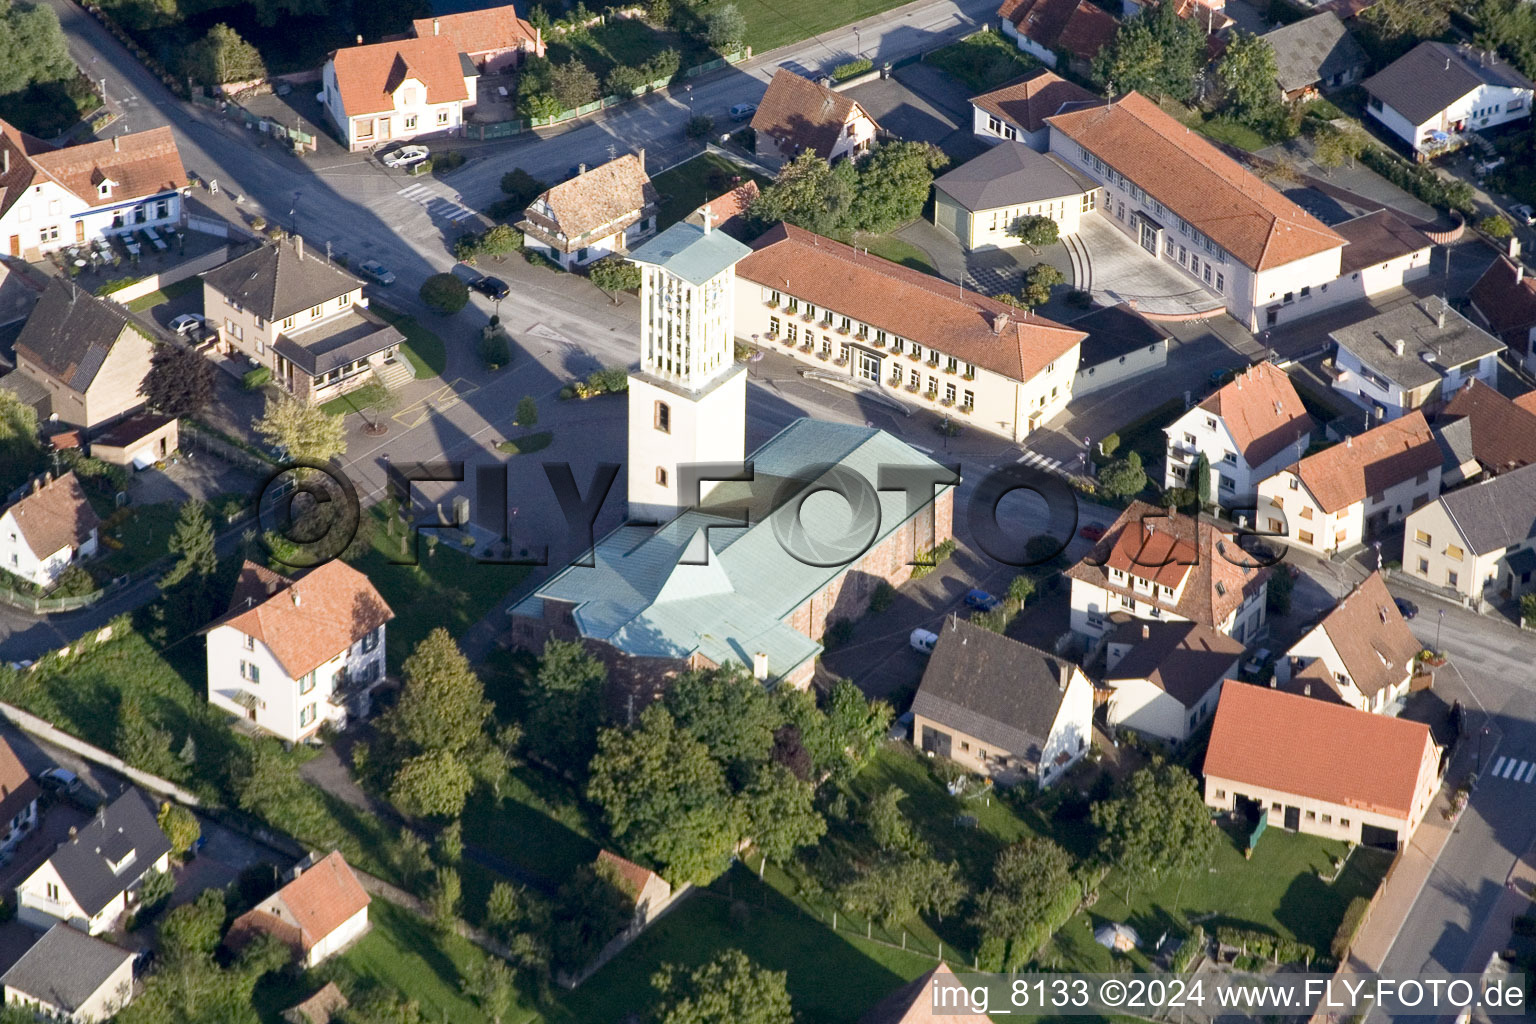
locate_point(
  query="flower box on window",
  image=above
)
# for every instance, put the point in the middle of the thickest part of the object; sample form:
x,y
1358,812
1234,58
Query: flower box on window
x,y
946,402
967,409
933,360
877,343
771,303
823,355
840,361
808,317
931,394
789,343
843,331
807,347
950,370
912,388
916,357
967,376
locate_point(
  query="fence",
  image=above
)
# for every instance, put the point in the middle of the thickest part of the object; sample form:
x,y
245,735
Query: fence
x,y
48,605
154,282
210,440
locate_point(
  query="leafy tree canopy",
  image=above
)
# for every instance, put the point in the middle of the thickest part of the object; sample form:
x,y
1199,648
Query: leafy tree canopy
x,y
179,381
1158,825
730,989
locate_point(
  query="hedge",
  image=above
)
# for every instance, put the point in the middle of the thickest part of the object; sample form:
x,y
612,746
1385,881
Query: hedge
x,y
1349,927
1420,181
1189,950
1265,946
849,69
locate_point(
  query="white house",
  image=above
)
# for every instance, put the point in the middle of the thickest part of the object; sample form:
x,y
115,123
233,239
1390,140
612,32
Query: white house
x,y
600,212
797,115
51,197
1335,499
1016,111
293,654
18,799
494,38
49,529
1164,678
1001,708
1437,92
1247,430
1416,356
321,912
1049,29
1361,653
397,90
93,877
69,976
1478,542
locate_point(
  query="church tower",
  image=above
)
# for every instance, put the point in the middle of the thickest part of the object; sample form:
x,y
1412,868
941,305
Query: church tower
x,y
688,399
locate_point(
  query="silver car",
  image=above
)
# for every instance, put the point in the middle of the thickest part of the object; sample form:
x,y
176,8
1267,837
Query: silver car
x,y
377,271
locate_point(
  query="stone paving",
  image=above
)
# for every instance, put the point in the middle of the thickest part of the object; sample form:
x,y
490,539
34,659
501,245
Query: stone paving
x,y
1115,270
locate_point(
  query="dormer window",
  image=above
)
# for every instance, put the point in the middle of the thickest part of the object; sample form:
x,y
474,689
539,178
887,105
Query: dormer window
x,y
124,860
104,189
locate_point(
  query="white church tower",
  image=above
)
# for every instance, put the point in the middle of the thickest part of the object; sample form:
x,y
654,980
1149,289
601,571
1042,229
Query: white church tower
x,y
688,400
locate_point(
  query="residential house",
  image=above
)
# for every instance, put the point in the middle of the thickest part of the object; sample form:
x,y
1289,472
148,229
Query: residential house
x,y
48,529
1016,111
18,800
655,602
86,353
51,197
140,441
1161,566
291,655
1185,202
1437,92
913,1003
320,912
1383,252
1478,542
305,318
495,39
1504,302
1120,345
1361,653
399,90
1320,768
1337,498
599,212
69,976
1055,30
728,212
797,115
889,327
982,201
1164,678
93,877
1416,356
1247,430
647,890
1315,55
1498,433
1001,708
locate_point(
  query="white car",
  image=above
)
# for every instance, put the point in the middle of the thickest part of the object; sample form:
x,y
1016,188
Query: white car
x,y
1255,664
1524,214
406,156
922,641
188,322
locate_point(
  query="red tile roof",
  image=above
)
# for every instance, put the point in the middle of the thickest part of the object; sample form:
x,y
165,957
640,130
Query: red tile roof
x,y
1195,180
54,516
17,787
1077,26
369,75
138,164
728,212
1370,636
592,205
1503,431
1382,457
308,621
1028,101
912,1003
1506,297
1527,402
634,877
1262,412
802,115
906,302
484,31
309,908
1317,750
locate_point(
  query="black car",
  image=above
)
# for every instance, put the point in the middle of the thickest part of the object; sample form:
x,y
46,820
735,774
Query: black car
x,y
1406,608
491,287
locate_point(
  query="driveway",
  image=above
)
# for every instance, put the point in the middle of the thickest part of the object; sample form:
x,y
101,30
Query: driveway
x,y
1115,269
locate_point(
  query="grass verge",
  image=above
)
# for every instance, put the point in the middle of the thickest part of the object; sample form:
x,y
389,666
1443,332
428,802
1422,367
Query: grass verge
x,y
423,349
527,443
369,396
186,286
142,537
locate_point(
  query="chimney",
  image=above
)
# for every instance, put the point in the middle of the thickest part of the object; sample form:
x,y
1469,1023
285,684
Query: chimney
x,y
1000,323
271,587
359,39
1440,319
640,155
1146,630
1397,346
293,592
760,667
115,147
436,26
1519,272
581,169
298,245
1306,691
1349,442
73,831
1274,684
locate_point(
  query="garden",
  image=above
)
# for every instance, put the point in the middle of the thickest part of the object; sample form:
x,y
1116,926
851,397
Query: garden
x,y
982,61
695,182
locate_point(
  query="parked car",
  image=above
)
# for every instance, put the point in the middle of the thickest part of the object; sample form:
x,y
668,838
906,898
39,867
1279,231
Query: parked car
x,y
491,287
406,156
377,271
981,600
922,641
1406,608
1092,531
1220,377
1523,213
742,111
1254,665
58,780
188,323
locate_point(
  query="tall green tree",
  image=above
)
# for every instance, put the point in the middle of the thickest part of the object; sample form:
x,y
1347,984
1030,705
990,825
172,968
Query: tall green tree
x,y
894,888
302,431
1251,79
222,56
729,712
730,989
142,743
781,814
855,727
1032,892
1158,825
1203,479
573,84
192,542
20,453
893,184
179,381
265,781
1156,53
593,906
32,47
564,699
725,27
809,194
192,931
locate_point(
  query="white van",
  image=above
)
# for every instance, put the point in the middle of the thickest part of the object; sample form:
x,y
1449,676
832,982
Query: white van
x,y
922,641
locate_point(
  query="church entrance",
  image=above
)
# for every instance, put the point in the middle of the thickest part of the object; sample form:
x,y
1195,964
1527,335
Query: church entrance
x,y
869,366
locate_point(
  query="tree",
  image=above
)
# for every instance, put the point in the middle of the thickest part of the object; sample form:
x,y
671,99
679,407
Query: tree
x,y
527,414
564,705
893,184
493,348
1278,590
442,704
496,241
222,56
142,743
1032,892
1158,825
615,274
890,828
1158,53
729,712
179,381
521,188
893,889
444,294
1203,479
590,909
302,431
1495,226
1333,146
700,127
192,930
572,84
1035,230
155,890
855,727
665,798
730,989
1038,282
490,983
450,843
807,193
32,47
1124,477
781,814
192,541
1251,79
20,454
725,28
265,781
443,898
180,827
504,910
435,783
1020,589
1527,607
1398,25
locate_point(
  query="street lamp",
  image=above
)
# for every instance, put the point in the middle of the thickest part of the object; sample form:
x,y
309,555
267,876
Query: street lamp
x,y
858,41
1480,749
1440,623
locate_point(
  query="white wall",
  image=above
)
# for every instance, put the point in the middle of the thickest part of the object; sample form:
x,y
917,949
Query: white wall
x,y
982,124
35,907
1071,732
284,711
710,429
46,218
1239,481
348,931
394,124
1493,104
19,559
1029,46
1132,364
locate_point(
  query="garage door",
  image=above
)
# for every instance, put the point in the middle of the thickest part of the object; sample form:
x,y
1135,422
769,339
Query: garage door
x,y
1381,838
144,458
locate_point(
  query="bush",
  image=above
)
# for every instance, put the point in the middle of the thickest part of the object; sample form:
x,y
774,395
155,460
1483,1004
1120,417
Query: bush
x,y
1078,299
615,274
1189,950
74,581
995,620
538,259
444,293
1109,444
623,81
494,351
612,381
256,378
1528,609
1420,180
848,69
934,559
521,188
1349,927
448,161
1280,586
527,412
883,597
700,127
1495,227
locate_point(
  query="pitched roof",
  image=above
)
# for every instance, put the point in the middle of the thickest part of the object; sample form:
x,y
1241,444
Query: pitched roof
x,y
1312,50
1183,659
1526,401
1029,100
728,212
1370,636
1435,338
594,204
1503,432
318,1008
912,1003
1196,181
803,115
123,827
323,898
367,76
308,621
1079,27
17,788
1506,297
1003,693
337,340
907,302
1174,550
1262,412
1383,456
1495,514
1012,174
635,877
137,164
1317,749
124,432
65,968
690,252
1377,237
71,332
1432,76
472,32
279,279
55,515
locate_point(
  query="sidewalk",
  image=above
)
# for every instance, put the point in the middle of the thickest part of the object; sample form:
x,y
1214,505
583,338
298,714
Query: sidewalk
x,y
1519,891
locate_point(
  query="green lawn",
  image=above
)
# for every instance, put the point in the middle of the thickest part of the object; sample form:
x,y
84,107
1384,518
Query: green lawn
x,y
369,396
423,349
772,23
185,286
527,443
143,537
982,61
537,823
1233,134
627,41
691,184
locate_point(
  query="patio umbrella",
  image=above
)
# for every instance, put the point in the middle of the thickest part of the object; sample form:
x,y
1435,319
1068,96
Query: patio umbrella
x,y
1121,937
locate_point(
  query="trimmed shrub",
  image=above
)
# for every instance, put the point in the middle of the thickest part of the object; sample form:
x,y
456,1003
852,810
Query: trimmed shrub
x,y
1109,444
494,351
1189,950
448,161
1349,927
444,294
883,597
256,378
848,69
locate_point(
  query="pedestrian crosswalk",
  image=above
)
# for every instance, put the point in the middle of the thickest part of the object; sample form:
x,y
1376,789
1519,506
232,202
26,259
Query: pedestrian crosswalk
x,y
437,204
1044,462
1514,770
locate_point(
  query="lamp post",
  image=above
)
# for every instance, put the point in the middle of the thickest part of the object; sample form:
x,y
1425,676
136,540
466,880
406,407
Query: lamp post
x,y
1480,737
1438,624
858,42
